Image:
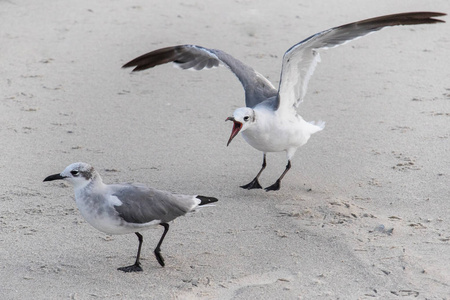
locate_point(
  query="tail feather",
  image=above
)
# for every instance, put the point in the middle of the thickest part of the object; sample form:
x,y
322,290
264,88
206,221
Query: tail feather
x,y
319,123
206,200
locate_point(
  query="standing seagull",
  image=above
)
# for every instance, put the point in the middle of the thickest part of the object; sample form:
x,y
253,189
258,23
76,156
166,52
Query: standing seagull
x,y
270,122
126,208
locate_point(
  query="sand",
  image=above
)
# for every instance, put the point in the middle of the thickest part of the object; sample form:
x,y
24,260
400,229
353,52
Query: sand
x,y
363,213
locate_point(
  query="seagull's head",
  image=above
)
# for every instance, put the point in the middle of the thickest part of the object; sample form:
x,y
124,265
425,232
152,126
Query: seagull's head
x,y
242,118
79,174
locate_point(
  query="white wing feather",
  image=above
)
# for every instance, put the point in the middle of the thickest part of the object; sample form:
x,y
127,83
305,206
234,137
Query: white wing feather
x,y
300,61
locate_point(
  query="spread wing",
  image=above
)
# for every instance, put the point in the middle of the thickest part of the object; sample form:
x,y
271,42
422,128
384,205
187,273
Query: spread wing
x,y
301,59
257,88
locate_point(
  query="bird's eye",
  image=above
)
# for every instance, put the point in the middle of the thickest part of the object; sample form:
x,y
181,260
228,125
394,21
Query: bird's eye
x,y
74,172
246,118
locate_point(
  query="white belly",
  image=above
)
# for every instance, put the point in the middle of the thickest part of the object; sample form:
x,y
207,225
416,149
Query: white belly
x,y
279,135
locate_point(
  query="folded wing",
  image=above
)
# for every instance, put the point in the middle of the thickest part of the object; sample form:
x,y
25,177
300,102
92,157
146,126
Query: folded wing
x,y
141,204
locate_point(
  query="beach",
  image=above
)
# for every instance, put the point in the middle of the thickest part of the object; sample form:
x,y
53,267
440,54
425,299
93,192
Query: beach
x,y
362,214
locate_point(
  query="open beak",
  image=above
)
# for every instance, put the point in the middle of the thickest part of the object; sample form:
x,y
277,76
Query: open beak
x,y
236,128
54,177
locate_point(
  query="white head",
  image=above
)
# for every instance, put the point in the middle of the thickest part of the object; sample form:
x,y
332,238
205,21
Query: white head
x,y
242,118
79,174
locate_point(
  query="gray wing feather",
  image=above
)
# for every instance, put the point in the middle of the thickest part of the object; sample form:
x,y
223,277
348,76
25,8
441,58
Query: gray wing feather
x,y
301,59
257,88
141,204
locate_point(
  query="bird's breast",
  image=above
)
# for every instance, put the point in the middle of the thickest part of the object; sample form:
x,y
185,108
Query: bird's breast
x,y
273,134
99,213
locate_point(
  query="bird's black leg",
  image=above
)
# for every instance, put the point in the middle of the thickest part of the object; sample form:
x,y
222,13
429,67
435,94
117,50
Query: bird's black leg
x,y
137,266
254,184
276,185
157,251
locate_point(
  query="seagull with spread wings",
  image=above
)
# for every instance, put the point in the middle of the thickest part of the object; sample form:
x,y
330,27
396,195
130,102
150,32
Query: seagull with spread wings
x,y
269,122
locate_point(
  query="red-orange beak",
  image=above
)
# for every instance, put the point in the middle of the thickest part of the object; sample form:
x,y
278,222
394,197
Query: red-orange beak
x,y
236,128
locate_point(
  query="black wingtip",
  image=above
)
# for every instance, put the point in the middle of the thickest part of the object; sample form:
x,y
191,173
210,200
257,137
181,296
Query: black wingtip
x,y
154,58
130,64
206,200
134,63
410,18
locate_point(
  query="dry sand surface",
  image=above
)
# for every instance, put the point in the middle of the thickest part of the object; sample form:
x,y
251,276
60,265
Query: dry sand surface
x,y
363,213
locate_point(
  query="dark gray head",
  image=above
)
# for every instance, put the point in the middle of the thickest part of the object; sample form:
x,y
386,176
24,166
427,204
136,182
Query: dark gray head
x,y
79,174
